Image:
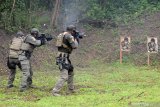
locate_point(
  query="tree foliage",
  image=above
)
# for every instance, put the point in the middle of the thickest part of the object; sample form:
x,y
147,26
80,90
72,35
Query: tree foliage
x,y
120,10
24,13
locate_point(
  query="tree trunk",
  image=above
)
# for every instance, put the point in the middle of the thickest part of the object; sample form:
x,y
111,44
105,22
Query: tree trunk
x,y
55,13
30,8
14,1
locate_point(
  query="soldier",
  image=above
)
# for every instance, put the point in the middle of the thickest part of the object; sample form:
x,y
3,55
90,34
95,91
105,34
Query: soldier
x,y
22,50
13,57
27,48
65,43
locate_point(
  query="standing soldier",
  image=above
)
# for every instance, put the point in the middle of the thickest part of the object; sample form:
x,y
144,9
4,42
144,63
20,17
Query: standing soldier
x,y
13,57
24,50
30,42
65,44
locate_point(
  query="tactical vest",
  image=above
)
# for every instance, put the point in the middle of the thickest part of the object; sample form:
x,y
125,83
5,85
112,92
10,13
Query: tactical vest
x,y
60,43
15,47
26,46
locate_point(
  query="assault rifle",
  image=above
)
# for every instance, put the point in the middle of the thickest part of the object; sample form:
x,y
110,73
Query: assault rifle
x,y
44,36
79,35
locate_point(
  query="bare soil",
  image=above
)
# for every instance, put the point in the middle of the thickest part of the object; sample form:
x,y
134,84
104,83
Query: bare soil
x,y
100,44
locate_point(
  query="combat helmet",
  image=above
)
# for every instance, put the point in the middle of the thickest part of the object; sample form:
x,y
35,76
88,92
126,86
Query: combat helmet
x,y
20,34
34,31
71,28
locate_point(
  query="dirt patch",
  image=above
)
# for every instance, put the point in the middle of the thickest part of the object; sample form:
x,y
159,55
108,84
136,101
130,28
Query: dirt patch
x,y
4,41
100,44
31,98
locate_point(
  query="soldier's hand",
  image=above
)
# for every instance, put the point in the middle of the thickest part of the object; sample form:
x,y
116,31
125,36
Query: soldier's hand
x,y
43,41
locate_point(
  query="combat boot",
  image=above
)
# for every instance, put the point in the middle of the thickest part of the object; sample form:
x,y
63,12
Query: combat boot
x,y
32,86
70,91
23,88
55,93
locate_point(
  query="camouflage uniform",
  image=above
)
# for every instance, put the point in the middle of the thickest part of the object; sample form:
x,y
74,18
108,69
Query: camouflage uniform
x,y
65,66
13,59
20,53
12,62
27,48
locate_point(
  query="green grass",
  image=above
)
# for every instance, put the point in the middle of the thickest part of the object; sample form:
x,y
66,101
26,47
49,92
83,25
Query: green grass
x,y
99,85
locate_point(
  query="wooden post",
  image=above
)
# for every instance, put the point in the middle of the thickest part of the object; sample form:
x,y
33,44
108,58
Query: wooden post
x,y
148,60
120,55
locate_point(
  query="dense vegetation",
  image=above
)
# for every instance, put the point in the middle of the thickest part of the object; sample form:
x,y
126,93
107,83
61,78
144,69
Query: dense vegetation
x,y
25,13
120,10
22,14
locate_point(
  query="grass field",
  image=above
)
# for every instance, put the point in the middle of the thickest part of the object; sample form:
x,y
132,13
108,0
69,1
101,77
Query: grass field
x,y
99,85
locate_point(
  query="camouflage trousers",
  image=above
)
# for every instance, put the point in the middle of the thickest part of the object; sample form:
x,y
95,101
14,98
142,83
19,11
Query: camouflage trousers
x,y
12,63
25,67
66,73
26,72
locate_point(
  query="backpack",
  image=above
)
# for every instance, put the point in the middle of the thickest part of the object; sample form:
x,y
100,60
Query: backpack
x,y
60,41
15,47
